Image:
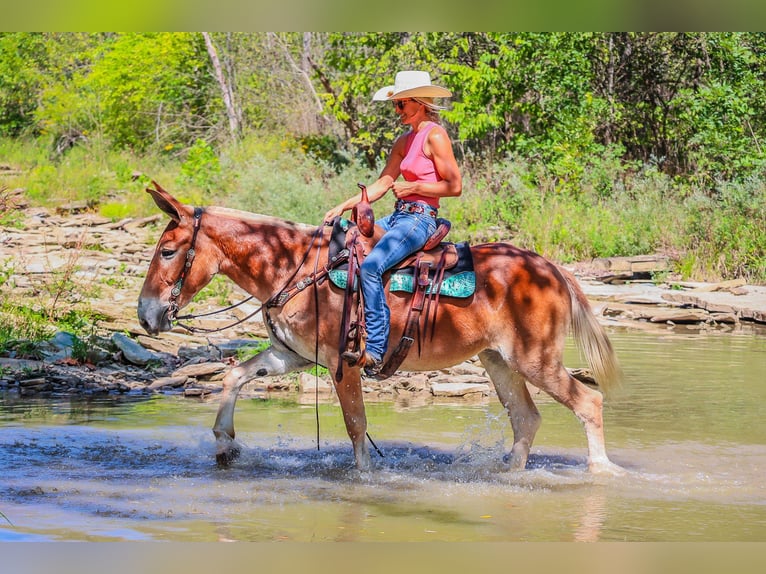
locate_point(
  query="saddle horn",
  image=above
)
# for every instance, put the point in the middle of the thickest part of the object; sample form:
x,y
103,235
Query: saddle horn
x,y
362,214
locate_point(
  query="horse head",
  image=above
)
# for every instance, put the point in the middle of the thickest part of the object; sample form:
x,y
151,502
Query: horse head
x,y
181,265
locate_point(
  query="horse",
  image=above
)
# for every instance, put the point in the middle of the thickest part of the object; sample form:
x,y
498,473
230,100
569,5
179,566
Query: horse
x,y
516,321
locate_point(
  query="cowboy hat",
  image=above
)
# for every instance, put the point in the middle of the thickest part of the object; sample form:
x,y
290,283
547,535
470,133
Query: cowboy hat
x,y
411,84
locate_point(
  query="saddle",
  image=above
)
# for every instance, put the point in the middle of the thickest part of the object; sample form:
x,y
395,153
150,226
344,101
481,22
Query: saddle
x,y
423,274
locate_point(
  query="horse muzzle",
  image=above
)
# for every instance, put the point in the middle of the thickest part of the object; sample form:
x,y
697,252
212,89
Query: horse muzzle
x,y
154,316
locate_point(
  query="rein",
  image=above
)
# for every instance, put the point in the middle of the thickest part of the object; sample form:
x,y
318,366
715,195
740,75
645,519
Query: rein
x,y
277,300
176,291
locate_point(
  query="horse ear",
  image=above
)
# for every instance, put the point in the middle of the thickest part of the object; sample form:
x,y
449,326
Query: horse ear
x,y
166,202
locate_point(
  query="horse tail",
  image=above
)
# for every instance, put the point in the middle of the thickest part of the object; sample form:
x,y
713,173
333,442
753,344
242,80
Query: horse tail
x,y
592,339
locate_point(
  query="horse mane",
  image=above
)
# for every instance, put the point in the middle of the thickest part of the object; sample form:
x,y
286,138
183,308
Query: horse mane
x,y
257,218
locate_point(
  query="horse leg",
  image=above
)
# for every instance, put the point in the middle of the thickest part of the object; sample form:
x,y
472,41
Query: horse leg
x,y
587,405
511,387
349,390
271,361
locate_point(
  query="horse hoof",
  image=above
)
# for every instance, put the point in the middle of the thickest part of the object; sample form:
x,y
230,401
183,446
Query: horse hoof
x,y
607,468
225,458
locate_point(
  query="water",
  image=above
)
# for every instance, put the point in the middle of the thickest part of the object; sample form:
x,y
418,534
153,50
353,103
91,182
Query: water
x,y
688,427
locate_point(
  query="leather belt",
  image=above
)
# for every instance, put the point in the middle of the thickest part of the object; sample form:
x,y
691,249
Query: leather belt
x,y
413,207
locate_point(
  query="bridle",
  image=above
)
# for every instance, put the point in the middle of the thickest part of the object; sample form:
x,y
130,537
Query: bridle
x,y
277,300
178,286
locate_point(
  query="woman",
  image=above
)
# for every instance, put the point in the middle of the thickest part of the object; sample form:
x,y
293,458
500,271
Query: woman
x,y
424,158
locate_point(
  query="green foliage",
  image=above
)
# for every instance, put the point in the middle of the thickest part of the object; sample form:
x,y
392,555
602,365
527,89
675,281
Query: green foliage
x,y
117,211
318,371
201,167
20,325
22,65
726,236
249,351
325,149
135,90
219,289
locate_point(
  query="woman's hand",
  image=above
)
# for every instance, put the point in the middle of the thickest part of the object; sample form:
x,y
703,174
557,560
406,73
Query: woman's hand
x,y
336,211
402,189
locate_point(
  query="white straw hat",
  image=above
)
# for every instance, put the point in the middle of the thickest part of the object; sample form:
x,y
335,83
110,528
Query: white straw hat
x,y
411,84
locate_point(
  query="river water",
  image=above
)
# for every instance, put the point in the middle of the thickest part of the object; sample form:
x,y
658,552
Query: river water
x,y
688,427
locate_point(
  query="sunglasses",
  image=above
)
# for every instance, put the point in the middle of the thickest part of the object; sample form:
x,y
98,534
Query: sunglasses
x,y
399,104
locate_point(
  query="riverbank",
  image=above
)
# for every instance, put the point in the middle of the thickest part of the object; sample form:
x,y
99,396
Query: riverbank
x,y
105,261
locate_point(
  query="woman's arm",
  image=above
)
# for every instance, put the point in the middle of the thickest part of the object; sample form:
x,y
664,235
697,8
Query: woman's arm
x,y
377,189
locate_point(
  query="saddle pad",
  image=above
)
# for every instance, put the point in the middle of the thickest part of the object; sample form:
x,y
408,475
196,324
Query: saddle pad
x,y
460,281
462,284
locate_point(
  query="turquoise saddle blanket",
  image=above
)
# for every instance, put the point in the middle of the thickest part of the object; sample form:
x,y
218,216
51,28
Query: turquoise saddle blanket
x,y
462,284
457,282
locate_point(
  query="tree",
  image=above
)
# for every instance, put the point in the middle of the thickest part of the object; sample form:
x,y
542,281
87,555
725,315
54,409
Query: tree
x,y
227,93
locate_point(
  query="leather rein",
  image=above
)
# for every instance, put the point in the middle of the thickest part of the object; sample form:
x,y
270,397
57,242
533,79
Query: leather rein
x,y
279,298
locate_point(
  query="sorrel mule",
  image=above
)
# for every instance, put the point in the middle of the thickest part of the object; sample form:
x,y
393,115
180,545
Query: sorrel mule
x,y
516,321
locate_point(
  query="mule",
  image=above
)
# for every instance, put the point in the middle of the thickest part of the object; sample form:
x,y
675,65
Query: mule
x,y
516,321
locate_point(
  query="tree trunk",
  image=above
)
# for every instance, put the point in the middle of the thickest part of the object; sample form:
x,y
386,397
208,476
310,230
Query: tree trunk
x,y
226,91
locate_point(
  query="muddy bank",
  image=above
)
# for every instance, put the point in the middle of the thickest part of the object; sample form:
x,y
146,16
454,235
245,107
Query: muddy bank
x,y
104,261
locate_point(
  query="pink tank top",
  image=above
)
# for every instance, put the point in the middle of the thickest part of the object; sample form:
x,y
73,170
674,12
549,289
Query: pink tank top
x,y
416,165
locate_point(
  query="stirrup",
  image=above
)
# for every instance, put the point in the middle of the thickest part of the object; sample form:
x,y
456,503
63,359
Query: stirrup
x,y
372,367
353,358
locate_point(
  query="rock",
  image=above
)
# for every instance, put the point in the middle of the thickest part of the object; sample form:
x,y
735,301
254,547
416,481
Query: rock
x,y
728,318
21,364
629,267
308,383
72,207
680,316
459,379
33,382
159,345
468,368
63,340
412,382
722,286
458,389
168,382
133,351
199,370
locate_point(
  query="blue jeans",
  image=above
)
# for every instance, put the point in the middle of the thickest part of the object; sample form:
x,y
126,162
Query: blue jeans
x,y
405,234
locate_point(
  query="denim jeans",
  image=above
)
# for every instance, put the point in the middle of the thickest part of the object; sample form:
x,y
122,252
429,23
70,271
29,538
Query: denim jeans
x,y
405,234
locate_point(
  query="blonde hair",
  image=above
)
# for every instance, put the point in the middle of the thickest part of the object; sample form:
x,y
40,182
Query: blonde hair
x,y
432,110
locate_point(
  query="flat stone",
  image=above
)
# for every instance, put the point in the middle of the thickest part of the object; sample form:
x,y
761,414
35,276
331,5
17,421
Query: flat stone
x,y
199,370
468,368
459,379
680,316
21,364
167,382
458,389
311,383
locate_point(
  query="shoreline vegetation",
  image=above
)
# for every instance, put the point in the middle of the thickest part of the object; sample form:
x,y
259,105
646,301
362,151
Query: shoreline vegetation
x,y
708,234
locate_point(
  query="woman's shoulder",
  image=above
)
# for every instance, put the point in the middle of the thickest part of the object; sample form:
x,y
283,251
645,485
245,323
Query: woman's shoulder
x,y
436,131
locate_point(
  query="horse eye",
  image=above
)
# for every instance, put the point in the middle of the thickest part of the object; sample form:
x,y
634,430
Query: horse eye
x,y
167,253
